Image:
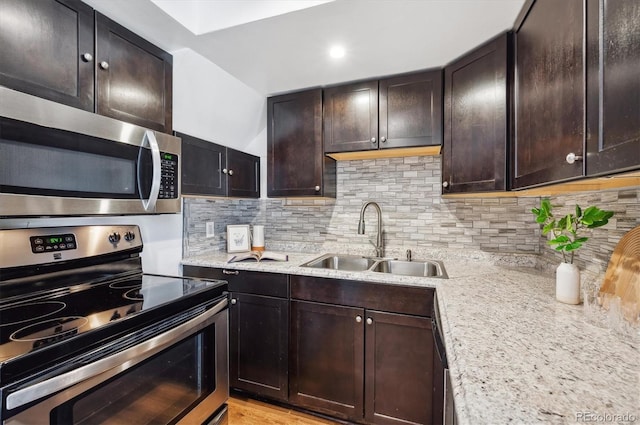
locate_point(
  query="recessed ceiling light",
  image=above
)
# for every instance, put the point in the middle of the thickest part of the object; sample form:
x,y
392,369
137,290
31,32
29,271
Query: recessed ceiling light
x,y
337,52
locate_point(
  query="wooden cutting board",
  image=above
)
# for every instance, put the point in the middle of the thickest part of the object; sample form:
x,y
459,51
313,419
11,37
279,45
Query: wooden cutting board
x,y
622,278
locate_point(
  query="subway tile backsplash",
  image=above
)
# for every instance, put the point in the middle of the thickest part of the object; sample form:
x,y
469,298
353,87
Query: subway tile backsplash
x,y
414,216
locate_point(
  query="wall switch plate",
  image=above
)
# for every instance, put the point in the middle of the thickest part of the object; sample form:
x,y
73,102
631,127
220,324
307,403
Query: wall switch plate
x,y
210,229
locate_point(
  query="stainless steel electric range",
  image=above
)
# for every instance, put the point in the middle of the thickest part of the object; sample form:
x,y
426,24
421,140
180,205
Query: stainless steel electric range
x,y
87,337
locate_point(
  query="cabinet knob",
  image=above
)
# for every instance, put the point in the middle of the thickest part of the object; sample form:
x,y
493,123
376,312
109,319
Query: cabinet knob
x,y
87,57
383,139
572,157
231,172
232,272
234,301
225,171
445,184
358,319
317,188
104,65
373,140
369,320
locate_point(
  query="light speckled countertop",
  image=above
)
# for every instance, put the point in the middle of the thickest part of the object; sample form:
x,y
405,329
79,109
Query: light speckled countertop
x,y
515,354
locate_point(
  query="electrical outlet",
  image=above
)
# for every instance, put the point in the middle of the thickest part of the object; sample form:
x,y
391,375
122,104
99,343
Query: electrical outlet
x,y
210,226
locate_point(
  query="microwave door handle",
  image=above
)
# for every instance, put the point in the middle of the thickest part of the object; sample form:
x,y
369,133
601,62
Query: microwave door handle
x,y
149,140
120,361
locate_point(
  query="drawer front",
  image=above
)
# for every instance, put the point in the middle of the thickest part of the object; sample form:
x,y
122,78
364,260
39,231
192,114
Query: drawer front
x,y
248,282
377,296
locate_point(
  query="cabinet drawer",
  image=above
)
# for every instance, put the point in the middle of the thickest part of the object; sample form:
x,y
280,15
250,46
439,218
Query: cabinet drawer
x,y
377,296
248,282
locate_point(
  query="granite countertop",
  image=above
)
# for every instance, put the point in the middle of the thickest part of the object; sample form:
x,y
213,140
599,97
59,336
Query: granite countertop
x,y
515,354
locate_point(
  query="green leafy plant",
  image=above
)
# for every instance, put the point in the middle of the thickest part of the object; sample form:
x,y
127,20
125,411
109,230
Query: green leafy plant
x,y
565,230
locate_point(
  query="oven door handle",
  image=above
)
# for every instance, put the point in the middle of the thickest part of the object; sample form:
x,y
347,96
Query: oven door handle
x,y
124,359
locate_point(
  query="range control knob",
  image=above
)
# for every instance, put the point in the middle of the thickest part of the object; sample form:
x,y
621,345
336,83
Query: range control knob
x,y
114,237
129,236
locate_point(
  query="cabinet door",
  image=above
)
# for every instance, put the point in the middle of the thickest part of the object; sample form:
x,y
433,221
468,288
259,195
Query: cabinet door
x,y
399,359
243,174
549,93
351,117
258,345
133,77
613,86
202,165
475,120
295,158
47,50
327,358
410,110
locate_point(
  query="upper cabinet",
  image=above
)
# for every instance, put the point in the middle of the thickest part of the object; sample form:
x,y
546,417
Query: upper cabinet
x,y
397,112
209,169
296,165
613,86
476,105
133,77
550,94
47,50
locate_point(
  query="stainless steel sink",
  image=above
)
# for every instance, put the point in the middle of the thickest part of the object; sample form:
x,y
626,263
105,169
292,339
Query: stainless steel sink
x,y
429,268
352,263
360,263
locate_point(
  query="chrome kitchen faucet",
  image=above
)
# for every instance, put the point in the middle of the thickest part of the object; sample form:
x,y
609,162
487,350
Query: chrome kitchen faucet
x,y
379,245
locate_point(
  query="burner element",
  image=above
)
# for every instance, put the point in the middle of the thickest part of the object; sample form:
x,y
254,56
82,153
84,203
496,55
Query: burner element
x,y
127,284
134,294
28,312
49,331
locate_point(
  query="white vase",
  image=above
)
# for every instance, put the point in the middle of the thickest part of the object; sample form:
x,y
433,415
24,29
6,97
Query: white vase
x,y
568,283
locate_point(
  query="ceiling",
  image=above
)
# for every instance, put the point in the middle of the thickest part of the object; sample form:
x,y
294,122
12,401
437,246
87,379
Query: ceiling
x,y
282,46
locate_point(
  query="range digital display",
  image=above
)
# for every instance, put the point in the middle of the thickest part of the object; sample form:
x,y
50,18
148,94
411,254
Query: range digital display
x,y
52,243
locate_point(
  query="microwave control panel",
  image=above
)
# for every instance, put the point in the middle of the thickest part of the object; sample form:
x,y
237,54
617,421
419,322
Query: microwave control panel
x,y
168,187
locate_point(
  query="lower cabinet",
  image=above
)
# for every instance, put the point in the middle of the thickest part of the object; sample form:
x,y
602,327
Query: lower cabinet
x,y
258,330
359,362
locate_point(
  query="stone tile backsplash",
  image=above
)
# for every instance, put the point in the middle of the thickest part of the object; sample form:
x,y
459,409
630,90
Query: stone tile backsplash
x,y
414,216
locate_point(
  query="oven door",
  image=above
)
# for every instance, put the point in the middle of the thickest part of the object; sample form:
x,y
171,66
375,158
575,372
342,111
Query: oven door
x,y
177,376
58,160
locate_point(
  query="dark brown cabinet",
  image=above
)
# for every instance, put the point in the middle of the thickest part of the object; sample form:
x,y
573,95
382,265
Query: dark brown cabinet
x,y
258,330
134,78
396,112
210,169
47,50
550,93
613,86
476,132
363,351
296,164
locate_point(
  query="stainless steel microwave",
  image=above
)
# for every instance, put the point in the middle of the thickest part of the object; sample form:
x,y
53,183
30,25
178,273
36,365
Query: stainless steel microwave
x,y
56,160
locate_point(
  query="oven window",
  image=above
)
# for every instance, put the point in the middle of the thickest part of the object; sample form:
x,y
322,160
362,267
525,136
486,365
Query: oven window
x,y
158,391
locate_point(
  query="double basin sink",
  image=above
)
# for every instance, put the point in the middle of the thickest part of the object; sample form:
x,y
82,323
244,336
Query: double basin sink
x,y
358,263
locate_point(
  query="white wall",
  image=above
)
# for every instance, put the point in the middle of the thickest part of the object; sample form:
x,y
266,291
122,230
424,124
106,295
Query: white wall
x,y
211,104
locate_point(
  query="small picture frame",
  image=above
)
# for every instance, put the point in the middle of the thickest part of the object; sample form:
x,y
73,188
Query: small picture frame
x,y
238,238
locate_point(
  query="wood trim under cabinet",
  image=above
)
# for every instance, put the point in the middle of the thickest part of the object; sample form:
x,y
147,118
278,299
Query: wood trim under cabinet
x,y
387,153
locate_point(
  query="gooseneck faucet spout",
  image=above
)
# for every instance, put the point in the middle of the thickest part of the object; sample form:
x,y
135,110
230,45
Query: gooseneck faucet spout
x,y
379,244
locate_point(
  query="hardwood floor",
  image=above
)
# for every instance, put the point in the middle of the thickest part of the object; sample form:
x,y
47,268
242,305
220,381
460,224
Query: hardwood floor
x,y
246,411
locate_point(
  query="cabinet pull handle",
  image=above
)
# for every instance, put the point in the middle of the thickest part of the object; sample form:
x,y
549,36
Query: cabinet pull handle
x,y
104,65
234,301
87,57
572,157
317,188
231,172
369,320
383,139
232,272
358,319
445,184
225,171
373,140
